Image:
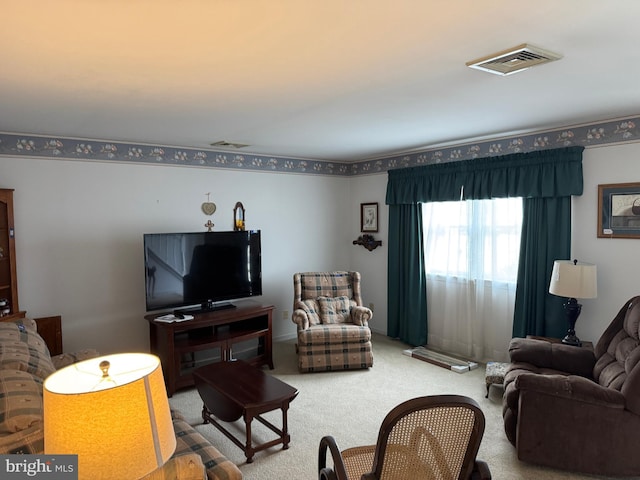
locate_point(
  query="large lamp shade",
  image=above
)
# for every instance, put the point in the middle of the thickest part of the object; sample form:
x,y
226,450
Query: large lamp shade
x,y
112,412
573,279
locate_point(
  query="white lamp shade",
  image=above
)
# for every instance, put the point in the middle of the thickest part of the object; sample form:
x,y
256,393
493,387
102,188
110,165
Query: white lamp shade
x,y
119,426
573,280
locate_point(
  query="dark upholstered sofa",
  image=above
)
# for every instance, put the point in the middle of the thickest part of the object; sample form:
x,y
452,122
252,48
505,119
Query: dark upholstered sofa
x,y
577,409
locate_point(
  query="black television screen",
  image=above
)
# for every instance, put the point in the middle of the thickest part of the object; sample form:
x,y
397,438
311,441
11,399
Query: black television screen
x,y
203,268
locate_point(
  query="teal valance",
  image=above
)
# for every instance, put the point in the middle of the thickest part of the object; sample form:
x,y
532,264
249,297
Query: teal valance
x,y
539,174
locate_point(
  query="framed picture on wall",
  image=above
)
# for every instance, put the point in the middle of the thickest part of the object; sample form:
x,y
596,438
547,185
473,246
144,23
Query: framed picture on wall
x,y
619,210
368,217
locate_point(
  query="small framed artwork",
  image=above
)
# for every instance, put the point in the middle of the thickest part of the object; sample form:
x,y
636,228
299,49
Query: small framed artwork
x,y
619,210
368,217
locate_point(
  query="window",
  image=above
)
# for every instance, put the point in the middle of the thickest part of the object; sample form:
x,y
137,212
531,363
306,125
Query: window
x,y
475,239
471,261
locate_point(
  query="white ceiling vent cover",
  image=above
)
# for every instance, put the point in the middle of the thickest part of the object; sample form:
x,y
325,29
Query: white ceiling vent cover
x,y
514,60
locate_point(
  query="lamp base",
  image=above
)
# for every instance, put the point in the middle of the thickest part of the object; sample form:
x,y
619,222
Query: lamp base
x,y
572,310
571,339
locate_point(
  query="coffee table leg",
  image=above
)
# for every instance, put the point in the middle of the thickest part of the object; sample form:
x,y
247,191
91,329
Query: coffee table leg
x,y
285,434
205,414
248,449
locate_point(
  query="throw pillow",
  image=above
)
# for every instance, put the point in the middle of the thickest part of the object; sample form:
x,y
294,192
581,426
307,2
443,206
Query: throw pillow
x,y
311,309
22,332
334,309
26,357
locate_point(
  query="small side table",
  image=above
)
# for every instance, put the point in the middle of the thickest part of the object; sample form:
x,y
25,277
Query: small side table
x,y
495,374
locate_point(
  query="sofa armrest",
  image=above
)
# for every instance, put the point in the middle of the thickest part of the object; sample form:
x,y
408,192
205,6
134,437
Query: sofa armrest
x,y
566,420
300,318
189,440
361,315
557,356
571,387
65,359
188,466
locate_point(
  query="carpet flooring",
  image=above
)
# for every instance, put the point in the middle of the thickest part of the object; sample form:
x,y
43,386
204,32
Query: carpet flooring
x,y
351,405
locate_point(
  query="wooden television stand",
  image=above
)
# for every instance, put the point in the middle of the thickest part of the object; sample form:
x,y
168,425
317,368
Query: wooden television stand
x,y
211,336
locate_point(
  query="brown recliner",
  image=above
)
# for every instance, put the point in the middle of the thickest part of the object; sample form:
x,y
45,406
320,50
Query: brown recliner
x,y
576,409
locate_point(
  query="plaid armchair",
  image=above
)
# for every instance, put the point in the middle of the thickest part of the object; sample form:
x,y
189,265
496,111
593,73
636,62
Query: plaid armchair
x,y
333,330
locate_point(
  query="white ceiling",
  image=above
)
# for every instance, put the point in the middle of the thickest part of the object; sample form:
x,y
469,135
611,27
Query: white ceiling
x,y
332,79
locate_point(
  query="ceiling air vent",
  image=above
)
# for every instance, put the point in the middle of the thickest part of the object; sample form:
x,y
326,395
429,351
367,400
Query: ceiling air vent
x,y
225,144
514,60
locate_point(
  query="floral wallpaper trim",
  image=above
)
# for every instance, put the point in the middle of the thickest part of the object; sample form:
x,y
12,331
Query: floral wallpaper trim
x,y
31,145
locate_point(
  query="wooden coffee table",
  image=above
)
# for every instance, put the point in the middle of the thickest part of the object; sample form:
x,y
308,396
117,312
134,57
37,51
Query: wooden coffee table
x,y
235,389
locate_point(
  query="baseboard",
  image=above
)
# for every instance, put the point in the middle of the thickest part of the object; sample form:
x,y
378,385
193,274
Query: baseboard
x,y
285,337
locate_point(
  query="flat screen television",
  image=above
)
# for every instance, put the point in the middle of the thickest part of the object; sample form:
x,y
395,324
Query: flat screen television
x,y
205,269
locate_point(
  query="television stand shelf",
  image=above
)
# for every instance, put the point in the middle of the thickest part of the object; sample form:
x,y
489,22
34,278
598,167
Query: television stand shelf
x,y
211,336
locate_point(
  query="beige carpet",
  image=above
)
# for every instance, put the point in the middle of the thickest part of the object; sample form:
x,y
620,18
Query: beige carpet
x,y
351,405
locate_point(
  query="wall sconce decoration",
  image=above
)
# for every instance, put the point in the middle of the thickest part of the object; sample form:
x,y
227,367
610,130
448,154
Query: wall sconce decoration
x,y
238,217
208,207
368,242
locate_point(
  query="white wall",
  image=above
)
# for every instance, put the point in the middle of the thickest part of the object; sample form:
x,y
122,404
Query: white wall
x,y
372,265
79,229
618,260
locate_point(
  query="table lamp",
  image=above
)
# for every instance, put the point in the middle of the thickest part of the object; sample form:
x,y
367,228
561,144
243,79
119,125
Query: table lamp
x,y
573,279
112,412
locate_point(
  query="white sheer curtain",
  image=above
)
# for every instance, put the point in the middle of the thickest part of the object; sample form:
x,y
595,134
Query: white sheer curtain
x,y
471,255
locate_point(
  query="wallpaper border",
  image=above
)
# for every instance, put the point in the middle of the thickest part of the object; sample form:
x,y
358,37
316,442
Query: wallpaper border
x,y
33,145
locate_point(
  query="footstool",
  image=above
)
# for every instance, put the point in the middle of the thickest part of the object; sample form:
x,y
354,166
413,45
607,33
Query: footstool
x,y
495,374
